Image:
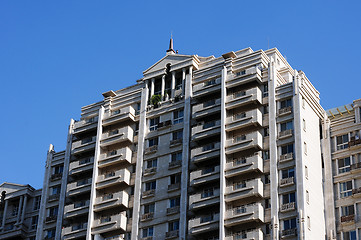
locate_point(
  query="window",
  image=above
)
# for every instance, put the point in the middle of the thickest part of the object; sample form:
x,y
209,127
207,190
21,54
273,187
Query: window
x,y
351,235
34,222
176,157
287,149
153,142
148,232
105,219
305,148
288,173
289,198
347,210
58,169
239,94
344,165
55,190
115,112
86,140
113,132
209,169
173,226
304,124
149,208
90,120
306,172
286,103
265,90
178,116
207,218
209,124
243,72
289,223
307,197
137,109
209,146
153,124
50,233
286,126
152,163
84,161
174,179
239,138
267,203
267,179
53,211
37,202
303,103
308,222
210,82
177,135
238,116
345,189
342,142
174,202
266,132
209,103
239,185
208,192
265,109
150,185
265,154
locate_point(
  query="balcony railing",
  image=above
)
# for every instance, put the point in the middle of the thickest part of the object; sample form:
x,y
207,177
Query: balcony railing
x,y
149,171
289,232
151,149
355,166
54,197
119,115
148,193
175,164
285,110
147,216
172,234
51,218
354,142
286,157
174,186
173,210
56,176
348,218
176,142
356,191
285,133
288,207
287,181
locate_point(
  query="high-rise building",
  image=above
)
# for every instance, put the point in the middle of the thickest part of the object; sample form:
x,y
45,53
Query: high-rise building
x,y
202,148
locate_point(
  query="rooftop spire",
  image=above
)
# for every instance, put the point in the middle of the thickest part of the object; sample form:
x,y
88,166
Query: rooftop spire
x,y
170,50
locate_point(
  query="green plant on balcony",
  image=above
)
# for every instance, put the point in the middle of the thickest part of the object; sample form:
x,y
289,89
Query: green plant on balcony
x,y
155,99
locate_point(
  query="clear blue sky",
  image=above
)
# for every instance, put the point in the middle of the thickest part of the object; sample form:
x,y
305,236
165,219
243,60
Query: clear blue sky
x,y
57,56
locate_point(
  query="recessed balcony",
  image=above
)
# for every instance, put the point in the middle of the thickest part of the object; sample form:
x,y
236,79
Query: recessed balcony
x,y
206,87
348,218
244,189
288,207
75,231
242,98
110,179
206,175
173,210
172,234
249,75
115,136
244,214
151,150
111,200
204,199
285,134
84,145
119,115
256,234
284,182
244,120
286,157
203,224
85,125
244,142
205,152
122,155
76,209
109,223
79,187
206,108
206,130
289,233
147,216
284,111
244,165
80,166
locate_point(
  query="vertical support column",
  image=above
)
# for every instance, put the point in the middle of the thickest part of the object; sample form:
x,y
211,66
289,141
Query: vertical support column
x,y
139,166
24,209
44,193
185,157
4,214
19,209
95,174
273,149
152,87
183,79
163,88
222,208
64,180
173,85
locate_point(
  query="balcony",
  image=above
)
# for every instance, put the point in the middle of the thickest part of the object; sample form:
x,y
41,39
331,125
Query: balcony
x,y
111,200
286,157
174,187
204,199
256,234
173,210
288,207
122,155
151,150
250,75
244,120
206,130
150,171
206,87
51,218
53,197
148,193
84,145
81,166
285,134
289,233
244,190
147,216
79,187
175,164
203,224
120,115
110,223
75,231
76,209
356,191
240,99
56,176
354,143
110,179
284,111
165,124
83,126
172,234
12,232
284,182
348,218
176,142
204,176
244,142
205,152
244,165
245,214
206,108
356,167
120,135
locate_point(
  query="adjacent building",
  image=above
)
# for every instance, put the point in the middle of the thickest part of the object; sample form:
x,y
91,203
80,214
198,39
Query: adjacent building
x,y
205,148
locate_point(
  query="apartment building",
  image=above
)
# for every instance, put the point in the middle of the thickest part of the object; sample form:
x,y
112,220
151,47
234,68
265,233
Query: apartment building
x,y
19,210
200,148
342,156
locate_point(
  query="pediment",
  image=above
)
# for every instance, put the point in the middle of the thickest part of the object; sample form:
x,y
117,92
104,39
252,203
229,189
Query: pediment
x,y
11,187
172,59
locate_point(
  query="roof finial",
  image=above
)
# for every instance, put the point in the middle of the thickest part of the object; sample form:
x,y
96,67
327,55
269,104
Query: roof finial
x,y
170,50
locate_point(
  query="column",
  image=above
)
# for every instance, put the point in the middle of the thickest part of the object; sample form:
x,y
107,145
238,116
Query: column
x,y
183,79
173,85
19,209
4,214
163,88
151,87
24,209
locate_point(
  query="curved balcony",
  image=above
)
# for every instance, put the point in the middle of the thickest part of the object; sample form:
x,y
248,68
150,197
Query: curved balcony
x,y
111,200
203,224
206,108
240,99
204,176
244,165
119,115
110,179
205,152
109,223
249,75
206,130
244,142
244,120
244,214
117,156
244,190
117,136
